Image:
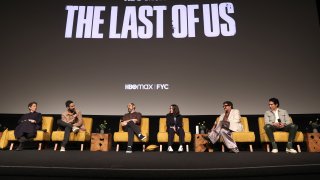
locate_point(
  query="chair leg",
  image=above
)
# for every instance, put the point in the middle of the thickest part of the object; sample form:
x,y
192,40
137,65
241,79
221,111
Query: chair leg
x,y
40,146
82,145
222,148
268,147
117,148
11,146
298,147
143,148
55,146
250,146
160,147
187,147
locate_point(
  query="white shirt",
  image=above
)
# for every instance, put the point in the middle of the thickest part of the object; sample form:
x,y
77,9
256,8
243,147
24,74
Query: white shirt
x,y
276,114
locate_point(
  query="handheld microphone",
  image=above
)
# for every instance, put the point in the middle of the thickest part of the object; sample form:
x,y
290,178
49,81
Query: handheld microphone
x,y
279,121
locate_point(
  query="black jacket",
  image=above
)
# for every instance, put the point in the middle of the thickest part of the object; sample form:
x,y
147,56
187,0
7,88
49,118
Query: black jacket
x,y
170,120
24,126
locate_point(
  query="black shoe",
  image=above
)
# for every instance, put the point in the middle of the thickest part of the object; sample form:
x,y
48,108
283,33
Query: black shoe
x,y
207,139
142,137
20,147
234,150
129,149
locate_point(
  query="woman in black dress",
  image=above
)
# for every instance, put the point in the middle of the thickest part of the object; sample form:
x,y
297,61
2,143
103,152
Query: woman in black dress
x,y
28,125
175,126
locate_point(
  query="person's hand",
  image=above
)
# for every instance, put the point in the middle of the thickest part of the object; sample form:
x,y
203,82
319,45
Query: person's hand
x,y
123,123
74,116
282,125
174,128
275,124
32,121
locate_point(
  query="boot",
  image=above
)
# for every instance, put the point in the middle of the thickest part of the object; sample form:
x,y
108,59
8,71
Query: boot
x,y
20,147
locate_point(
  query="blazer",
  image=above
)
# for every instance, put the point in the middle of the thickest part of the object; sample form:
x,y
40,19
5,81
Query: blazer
x,y
234,119
170,121
269,117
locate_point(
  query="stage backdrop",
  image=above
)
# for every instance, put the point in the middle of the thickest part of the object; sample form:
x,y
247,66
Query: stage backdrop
x,y
195,53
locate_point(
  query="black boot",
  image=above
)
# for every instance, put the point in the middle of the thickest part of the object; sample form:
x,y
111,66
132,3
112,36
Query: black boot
x,y
21,142
20,147
234,150
207,139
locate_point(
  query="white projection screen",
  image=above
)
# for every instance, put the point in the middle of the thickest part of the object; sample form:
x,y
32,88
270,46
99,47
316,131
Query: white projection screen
x,y
195,53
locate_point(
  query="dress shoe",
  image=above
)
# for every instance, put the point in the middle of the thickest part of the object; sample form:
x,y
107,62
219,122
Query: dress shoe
x,y
234,150
20,147
207,139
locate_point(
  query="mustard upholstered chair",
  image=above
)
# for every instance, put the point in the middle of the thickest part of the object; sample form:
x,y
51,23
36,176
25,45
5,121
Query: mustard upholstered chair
x,y
279,136
42,135
122,136
244,136
4,139
81,136
162,135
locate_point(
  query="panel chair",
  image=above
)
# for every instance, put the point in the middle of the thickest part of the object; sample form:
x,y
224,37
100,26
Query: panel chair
x,y
279,136
162,135
42,135
81,136
245,136
122,136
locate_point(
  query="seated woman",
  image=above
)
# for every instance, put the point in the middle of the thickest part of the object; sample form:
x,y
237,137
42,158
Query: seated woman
x,y
175,126
28,125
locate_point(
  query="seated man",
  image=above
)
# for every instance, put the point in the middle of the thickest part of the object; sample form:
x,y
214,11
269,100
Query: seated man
x,y
71,120
277,119
228,122
130,122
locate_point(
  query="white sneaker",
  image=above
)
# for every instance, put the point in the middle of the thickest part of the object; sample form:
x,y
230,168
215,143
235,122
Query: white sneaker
x,y
75,129
170,149
63,149
180,148
274,151
293,151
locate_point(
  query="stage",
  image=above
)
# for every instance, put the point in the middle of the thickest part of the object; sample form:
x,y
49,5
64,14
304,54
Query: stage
x,y
33,164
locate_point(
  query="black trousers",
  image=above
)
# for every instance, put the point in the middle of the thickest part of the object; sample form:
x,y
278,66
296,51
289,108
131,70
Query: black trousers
x,y
132,129
26,137
179,132
291,128
67,129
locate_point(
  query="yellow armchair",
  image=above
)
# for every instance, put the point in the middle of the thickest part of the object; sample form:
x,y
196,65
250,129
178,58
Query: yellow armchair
x,y
162,135
42,135
279,136
122,136
81,136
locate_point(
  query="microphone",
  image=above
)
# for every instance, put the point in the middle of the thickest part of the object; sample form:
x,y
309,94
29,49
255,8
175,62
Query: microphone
x,y
279,121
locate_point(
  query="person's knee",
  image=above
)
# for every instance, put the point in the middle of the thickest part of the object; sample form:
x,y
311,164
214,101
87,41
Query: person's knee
x,y
67,129
268,127
31,135
293,126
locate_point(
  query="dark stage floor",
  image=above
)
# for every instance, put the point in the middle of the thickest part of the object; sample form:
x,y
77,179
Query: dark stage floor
x,y
33,164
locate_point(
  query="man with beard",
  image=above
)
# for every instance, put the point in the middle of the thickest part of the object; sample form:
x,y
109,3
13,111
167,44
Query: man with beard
x,y
71,120
130,122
